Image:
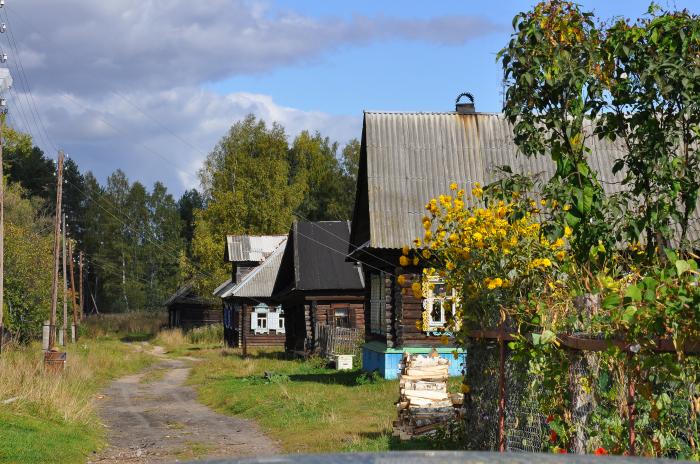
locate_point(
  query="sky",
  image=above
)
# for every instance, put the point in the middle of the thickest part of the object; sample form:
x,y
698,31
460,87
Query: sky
x,y
150,86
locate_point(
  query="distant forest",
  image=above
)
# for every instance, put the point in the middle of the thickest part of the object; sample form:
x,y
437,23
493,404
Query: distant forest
x,y
140,243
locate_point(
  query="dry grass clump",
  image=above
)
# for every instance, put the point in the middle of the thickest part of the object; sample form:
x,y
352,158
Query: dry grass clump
x,y
67,395
209,334
131,323
171,338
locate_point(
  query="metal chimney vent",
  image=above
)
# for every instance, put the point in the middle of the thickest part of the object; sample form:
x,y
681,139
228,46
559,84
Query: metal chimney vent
x,y
465,107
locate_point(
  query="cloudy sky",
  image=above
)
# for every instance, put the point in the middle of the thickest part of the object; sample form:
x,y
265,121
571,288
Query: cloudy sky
x,y
150,86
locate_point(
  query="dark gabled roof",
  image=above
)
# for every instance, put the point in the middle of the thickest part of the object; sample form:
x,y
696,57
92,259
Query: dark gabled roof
x,y
408,158
186,295
314,259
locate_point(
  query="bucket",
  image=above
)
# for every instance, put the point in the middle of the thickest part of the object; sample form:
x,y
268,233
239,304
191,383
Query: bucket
x,y
55,361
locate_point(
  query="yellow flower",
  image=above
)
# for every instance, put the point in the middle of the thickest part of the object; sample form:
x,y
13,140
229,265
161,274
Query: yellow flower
x,y
450,266
560,255
405,250
478,236
426,253
416,243
477,191
453,186
419,325
401,280
426,223
454,237
498,281
546,262
471,221
416,260
403,261
567,231
417,290
566,207
445,340
428,235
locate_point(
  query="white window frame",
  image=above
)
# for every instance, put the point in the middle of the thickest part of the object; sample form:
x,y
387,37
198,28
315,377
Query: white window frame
x,y
431,298
259,314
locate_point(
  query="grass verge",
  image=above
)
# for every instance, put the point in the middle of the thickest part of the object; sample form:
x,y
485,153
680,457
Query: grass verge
x,y
305,406
51,417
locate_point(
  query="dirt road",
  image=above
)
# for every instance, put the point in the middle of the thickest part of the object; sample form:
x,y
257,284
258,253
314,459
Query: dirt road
x,y
153,417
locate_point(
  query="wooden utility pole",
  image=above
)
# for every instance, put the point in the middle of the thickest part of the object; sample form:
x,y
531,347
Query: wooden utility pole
x,y
2,237
82,301
64,327
74,327
56,251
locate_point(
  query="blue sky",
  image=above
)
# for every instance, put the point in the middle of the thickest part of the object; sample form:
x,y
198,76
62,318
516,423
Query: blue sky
x,y
399,74
150,86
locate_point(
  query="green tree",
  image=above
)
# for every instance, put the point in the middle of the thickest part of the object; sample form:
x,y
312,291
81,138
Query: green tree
x,y
551,67
246,186
650,69
189,202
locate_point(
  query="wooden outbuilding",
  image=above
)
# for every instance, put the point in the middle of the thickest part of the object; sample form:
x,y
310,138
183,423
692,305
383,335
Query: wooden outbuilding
x,y
405,160
187,309
317,286
251,317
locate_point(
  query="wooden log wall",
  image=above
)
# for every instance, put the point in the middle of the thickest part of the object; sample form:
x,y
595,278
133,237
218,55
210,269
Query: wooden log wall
x,y
409,311
272,338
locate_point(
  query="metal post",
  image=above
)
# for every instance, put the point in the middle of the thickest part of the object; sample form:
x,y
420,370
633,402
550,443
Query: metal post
x,y
501,396
74,328
56,252
631,406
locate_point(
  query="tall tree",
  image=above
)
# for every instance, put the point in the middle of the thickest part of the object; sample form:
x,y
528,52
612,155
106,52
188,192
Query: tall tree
x,y
246,187
189,202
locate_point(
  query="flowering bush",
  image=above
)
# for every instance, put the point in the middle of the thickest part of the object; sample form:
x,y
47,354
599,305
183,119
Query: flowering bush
x,y
493,253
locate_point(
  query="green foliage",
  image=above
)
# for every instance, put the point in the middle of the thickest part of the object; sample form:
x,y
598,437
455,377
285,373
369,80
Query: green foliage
x,y
551,66
650,71
254,182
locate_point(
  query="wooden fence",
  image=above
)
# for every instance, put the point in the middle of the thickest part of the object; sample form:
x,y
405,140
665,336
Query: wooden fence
x,y
332,340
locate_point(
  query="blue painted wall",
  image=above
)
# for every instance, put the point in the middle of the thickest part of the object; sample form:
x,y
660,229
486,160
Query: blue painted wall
x,y
377,357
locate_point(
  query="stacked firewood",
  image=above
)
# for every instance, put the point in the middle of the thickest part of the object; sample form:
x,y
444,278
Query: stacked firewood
x,y
424,403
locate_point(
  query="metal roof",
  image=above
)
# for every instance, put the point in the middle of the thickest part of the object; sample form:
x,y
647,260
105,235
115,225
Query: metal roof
x,y
409,158
314,259
251,248
186,294
260,282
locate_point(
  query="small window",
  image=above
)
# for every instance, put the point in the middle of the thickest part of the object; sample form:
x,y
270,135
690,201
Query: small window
x,y
281,323
262,320
342,317
438,303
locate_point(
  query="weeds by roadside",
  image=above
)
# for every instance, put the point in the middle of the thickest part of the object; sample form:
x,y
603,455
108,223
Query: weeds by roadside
x,y
51,417
134,326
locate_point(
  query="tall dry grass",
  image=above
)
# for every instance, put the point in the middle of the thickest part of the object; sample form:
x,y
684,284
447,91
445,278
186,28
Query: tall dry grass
x,y
125,324
69,395
207,335
171,338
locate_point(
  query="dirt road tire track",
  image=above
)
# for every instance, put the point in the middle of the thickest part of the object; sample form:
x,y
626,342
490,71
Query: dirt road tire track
x,y
161,421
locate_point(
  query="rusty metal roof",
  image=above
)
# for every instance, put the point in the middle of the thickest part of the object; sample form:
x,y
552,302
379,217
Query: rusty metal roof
x,y
409,158
260,281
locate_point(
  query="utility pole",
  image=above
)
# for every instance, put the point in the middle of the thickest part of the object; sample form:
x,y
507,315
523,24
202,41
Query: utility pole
x,y
2,233
82,301
64,328
5,84
74,327
56,251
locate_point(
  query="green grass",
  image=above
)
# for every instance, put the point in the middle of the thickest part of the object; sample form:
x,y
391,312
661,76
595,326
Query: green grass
x,y
305,406
53,418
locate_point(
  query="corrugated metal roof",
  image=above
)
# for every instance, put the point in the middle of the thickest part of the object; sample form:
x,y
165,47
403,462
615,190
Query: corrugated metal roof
x,y
223,288
186,294
251,248
413,157
260,282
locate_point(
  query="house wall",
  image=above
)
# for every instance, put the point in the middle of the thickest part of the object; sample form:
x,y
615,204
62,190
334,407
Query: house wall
x,y
187,316
274,338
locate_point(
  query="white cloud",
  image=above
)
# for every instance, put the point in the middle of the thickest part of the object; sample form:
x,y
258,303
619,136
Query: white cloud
x,y
179,127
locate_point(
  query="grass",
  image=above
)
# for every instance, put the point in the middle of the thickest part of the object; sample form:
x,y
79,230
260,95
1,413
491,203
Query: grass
x,y
305,406
52,417
133,326
179,343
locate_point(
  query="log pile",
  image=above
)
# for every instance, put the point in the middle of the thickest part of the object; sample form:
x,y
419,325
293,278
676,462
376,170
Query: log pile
x,y
424,404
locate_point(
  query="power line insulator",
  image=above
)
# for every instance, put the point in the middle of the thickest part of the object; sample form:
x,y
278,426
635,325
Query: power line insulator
x,y
3,58
2,3
3,27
